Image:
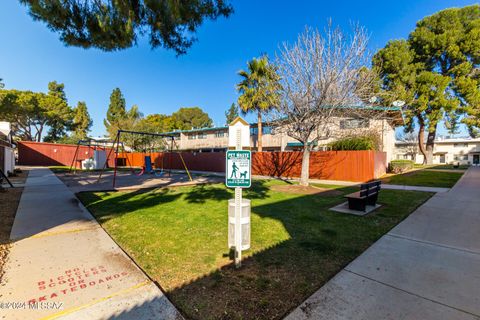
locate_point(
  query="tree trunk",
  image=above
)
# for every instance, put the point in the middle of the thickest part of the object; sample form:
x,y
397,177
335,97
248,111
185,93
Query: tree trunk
x,y
305,166
259,136
430,145
421,141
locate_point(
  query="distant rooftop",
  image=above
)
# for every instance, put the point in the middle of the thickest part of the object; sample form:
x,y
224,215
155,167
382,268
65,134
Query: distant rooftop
x,y
379,108
446,139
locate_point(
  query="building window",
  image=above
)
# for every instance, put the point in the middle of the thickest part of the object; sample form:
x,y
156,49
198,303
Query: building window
x,y
354,123
202,135
178,138
265,130
192,136
460,145
458,157
219,134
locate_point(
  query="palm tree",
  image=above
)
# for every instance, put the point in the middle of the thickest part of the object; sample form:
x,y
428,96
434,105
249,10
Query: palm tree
x,y
259,90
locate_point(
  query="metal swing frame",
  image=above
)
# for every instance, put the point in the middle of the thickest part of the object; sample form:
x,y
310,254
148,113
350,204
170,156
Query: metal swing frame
x,y
117,143
91,144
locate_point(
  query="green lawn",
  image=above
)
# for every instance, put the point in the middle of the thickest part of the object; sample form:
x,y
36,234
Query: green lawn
x,y
179,237
442,166
425,178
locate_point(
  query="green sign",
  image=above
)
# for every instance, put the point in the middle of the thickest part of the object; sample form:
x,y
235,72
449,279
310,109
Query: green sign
x,y
239,168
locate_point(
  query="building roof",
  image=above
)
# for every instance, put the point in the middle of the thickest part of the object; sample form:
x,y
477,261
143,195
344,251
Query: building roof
x,y
197,130
300,144
238,119
443,141
395,114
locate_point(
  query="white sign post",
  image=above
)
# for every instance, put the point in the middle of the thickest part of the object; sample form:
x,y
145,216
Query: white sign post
x,y
238,176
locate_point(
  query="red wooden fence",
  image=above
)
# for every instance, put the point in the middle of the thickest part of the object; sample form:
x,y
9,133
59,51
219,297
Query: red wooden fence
x,y
329,165
52,154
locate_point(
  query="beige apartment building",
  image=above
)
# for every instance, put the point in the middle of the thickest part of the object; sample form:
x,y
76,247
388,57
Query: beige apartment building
x,y
446,151
216,139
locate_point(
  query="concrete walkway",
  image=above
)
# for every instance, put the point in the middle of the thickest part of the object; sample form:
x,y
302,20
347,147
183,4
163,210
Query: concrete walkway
x,y
67,266
427,267
414,188
352,184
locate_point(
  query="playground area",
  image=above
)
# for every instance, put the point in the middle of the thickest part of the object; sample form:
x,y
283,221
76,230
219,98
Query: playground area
x,y
125,180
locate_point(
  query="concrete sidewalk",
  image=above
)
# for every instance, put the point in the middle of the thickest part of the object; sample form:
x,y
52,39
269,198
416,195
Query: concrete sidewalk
x,y
66,265
427,267
352,184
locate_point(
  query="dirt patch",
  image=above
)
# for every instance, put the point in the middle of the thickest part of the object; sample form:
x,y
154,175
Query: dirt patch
x,y
9,198
298,189
20,176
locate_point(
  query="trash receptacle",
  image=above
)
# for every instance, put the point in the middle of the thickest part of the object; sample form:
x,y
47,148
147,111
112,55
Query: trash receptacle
x,y
245,221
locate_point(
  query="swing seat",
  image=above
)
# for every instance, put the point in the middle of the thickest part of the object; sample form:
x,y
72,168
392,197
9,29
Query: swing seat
x,y
138,174
158,173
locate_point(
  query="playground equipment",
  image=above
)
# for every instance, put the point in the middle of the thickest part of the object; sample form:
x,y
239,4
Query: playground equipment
x,y
92,161
148,165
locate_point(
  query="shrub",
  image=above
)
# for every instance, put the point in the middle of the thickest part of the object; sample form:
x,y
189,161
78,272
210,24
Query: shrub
x,y
400,166
354,143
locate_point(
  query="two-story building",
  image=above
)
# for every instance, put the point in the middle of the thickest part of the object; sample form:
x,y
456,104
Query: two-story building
x,y
446,151
216,139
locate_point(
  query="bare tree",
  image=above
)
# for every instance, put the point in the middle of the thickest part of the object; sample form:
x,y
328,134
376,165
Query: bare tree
x,y
410,143
324,77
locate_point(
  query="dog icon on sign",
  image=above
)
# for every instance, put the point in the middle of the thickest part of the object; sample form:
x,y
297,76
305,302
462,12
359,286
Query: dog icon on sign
x,y
243,175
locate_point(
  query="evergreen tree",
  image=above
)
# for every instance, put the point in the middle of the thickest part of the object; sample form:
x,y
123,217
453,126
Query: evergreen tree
x,y
81,121
231,113
31,112
116,112
193,117
436,72
113,25
59,112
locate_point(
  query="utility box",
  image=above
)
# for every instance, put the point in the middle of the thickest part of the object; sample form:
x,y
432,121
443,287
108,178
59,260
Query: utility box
x,y
99,158
245,222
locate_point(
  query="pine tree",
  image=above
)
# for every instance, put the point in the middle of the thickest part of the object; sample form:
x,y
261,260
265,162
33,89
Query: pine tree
x,y
436,72
114,25
60,114
81,121
116,112
231,113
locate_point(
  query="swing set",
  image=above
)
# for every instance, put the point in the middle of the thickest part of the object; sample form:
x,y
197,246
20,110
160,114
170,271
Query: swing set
x,y
148,166
92,144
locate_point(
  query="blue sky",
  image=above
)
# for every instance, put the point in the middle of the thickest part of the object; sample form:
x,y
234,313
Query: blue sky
x,y
159,82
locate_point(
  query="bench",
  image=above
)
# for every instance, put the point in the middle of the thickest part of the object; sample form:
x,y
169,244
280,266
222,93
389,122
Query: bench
x,y
367,196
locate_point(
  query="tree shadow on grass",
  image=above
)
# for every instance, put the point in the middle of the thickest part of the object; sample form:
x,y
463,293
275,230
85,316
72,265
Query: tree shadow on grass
x,y
202,193
119,203
273,281
278,277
